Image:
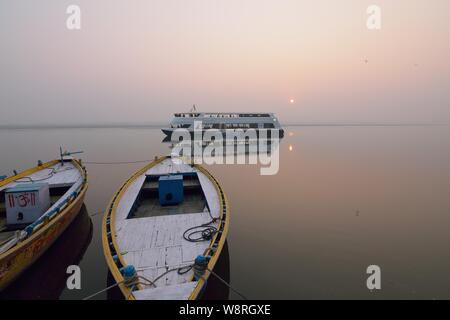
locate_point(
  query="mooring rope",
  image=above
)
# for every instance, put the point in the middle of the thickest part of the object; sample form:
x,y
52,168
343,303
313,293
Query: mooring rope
x,y
181,270
117,162
96,213
103,290
128,282
227,284
132,282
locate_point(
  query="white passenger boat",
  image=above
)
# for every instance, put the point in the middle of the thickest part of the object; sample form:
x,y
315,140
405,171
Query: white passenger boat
x,y
263,124
164,230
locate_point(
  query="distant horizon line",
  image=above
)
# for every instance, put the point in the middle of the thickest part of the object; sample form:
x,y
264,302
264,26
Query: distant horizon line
x,y
161,125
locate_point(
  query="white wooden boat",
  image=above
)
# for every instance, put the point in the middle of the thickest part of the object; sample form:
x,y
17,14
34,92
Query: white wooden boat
x,y
153,242
30,224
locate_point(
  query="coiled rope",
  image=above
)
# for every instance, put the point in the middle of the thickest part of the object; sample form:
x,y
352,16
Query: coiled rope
x,y
203,232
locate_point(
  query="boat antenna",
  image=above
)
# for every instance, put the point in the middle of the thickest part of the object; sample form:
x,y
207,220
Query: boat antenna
x,y
194,108
66,154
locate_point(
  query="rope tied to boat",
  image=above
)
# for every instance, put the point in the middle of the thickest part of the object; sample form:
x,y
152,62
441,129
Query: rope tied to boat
x,y
200,265
96,213
137,282
117,162
130,276
227,284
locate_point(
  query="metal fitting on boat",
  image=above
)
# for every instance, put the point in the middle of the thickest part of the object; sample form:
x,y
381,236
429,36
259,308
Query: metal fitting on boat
x,y
29,229
200,264
129,275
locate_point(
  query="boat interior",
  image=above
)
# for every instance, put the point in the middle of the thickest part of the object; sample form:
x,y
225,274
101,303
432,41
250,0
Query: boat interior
x,y
148,202
59,178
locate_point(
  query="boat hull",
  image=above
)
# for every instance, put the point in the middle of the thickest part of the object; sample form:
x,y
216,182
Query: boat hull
x,y
113,254
23,255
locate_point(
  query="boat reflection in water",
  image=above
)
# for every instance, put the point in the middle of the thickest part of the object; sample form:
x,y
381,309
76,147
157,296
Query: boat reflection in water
x,y
215,289
240,151
263,152
46,279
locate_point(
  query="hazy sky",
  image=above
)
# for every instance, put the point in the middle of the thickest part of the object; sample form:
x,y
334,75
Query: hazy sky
x,y
140,61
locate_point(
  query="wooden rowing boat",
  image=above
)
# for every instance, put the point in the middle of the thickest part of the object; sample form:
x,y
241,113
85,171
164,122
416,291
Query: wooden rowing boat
x,y
159,246
22,244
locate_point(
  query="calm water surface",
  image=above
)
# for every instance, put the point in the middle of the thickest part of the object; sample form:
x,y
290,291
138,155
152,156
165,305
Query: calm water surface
x,y
343,199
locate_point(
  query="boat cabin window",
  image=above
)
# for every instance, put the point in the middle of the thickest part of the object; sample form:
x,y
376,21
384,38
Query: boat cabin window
x,y
254,115
187,115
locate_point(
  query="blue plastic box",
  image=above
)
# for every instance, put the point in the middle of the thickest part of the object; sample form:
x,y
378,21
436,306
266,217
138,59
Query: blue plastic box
x,y
170,190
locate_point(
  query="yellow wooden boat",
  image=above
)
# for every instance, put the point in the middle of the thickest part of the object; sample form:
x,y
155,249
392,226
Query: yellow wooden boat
x,y
51,195
164,230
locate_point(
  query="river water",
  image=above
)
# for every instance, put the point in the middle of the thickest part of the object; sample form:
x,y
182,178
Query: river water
x,y
344,198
